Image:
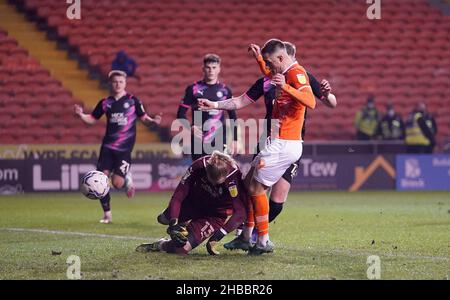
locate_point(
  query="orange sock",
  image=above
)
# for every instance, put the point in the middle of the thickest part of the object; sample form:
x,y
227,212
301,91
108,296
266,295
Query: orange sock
x,y
261,207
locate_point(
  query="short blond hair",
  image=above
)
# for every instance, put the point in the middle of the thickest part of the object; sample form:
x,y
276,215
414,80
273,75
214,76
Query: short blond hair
x,y
217,166
116,73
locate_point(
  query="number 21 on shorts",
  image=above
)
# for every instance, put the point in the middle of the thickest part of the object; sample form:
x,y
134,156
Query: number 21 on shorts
x,y
125,167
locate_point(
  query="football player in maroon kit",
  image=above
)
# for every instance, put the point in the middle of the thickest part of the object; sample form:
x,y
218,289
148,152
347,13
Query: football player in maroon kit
x,y
209,202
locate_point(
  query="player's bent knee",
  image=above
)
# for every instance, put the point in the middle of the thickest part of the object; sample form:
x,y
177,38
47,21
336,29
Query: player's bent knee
x,y
280,191
279,196
118,182
118,185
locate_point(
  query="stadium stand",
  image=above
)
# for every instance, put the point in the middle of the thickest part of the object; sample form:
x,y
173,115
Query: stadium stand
x,y
34,104
402,58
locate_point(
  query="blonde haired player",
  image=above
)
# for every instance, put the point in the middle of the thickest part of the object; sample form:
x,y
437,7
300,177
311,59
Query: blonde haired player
x,y
209,202
122,111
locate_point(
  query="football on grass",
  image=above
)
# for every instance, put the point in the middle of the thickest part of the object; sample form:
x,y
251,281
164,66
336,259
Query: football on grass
x,y
95,185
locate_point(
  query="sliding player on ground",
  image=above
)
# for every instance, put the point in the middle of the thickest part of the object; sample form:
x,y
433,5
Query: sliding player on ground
x,y
209,202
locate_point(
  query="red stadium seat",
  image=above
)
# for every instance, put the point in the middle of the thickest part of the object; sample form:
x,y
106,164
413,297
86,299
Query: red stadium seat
x,y
168,43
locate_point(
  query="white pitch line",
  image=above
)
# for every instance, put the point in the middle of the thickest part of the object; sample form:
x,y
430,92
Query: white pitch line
x,y
75,233
349,252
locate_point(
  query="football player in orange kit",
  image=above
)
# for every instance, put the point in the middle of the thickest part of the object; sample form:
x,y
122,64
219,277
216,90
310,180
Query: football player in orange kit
x,y
284,147
322,92
280,190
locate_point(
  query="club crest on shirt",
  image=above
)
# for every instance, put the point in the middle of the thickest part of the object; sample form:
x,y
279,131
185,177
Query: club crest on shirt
x,y
233,191
301,78
219,94
126,105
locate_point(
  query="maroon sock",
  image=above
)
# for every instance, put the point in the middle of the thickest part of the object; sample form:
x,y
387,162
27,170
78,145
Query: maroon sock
x,y
105,202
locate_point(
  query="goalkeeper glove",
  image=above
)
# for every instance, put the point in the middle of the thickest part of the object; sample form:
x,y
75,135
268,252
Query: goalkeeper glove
x,y
178,233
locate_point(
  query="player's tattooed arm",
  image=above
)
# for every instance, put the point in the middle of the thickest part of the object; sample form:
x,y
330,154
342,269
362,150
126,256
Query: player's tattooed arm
x,y
229,104
234,103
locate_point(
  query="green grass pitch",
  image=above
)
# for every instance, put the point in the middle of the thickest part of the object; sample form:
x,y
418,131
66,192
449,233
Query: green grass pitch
x,y
319,235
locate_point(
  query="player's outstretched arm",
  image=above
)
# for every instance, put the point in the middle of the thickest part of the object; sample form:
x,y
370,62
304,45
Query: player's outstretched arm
x,y
256,51
328,98
234,103
86,118
146,119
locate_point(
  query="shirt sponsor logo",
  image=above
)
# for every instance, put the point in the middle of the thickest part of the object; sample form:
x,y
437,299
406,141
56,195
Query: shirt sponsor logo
x,y
119,118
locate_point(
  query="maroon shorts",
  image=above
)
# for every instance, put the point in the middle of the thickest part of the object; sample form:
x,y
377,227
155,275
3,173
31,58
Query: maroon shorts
x,y
201,226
